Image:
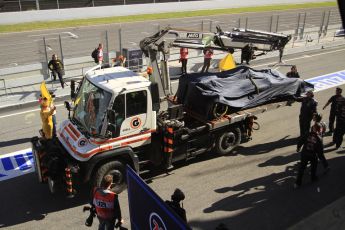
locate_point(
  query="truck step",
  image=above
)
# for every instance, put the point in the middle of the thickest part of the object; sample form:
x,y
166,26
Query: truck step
x,y
193,154
144,162
144,171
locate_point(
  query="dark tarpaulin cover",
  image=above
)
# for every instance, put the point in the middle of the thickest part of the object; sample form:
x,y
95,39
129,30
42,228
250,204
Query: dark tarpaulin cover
x,y
240,88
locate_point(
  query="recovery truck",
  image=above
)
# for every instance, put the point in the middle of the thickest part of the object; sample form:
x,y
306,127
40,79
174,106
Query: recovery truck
x,y
119,117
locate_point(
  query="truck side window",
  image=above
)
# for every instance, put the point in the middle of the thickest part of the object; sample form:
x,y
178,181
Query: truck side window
x,y
119,107
136,103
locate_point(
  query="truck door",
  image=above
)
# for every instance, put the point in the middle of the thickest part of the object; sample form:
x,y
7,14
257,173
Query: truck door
x,y
136,113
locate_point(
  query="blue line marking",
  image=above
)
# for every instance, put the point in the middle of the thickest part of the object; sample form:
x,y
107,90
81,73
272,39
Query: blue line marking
x,y
30,156
327,80
21,161
7,163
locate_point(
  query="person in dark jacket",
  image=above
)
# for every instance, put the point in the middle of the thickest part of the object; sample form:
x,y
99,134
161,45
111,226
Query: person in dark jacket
x,y
340,123
175,205
311,149
247,54
107,205
319,128
308,109
208,53
293,72
56,66
333,101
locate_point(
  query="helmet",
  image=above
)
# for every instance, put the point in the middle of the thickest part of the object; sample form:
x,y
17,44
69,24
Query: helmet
x,y
178,195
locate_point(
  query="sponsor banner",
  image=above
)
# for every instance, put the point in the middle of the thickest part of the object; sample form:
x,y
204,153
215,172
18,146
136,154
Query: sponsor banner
x,y
147,210
327,81
16,164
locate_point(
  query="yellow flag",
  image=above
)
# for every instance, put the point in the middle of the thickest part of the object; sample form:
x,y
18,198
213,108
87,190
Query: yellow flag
x,y
44,92
227,63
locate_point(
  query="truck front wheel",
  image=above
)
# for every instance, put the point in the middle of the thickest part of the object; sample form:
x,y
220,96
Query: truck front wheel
x,y
227,141
117,170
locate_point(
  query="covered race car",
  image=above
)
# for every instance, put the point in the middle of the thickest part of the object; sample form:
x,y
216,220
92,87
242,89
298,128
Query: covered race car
x,y
213,95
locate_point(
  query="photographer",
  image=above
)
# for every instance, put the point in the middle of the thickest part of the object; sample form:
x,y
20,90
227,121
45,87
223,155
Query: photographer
x,y
107,205
174,204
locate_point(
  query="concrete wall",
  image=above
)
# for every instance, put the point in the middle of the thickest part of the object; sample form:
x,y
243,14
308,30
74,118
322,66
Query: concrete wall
x,y
123,10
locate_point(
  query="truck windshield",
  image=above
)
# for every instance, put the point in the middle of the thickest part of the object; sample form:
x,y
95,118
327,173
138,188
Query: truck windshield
x,y
91,106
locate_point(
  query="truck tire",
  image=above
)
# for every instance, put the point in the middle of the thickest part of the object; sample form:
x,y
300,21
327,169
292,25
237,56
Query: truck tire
x,y
227,141
117,170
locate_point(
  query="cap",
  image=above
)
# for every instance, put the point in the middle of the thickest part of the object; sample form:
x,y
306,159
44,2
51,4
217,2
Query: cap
x,y
178,195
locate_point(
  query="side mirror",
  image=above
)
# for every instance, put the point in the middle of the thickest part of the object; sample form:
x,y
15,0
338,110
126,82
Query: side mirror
x,y
67,106
111,116
111,130
73,94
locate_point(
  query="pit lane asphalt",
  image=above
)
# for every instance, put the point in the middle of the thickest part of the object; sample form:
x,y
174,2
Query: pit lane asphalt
x,y
27,47
248,189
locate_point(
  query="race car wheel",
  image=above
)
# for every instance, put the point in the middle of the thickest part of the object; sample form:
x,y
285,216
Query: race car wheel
x,y
227,141
117,170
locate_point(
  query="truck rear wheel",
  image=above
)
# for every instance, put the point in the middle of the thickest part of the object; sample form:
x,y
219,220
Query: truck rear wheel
x,y
117,170
227,141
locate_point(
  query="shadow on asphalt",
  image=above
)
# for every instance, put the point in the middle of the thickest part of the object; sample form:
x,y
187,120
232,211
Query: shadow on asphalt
x,y
23,199
265,147
14,142
271,202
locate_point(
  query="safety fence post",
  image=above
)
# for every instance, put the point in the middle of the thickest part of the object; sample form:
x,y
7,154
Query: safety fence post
x,y
58,4
246,26
327,23
321,26
46,54
271,21
93,3
297,27
69,183
211,25
20,5
37,5
4,83
303,26
202,25
120,41
61,52
107,46
277,24
239,23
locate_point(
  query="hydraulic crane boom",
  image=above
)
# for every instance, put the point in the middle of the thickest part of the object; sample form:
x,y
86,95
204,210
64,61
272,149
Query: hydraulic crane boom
x,y
162,41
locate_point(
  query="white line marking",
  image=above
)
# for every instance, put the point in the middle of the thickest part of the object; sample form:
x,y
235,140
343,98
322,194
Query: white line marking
x,y
28,111
15,153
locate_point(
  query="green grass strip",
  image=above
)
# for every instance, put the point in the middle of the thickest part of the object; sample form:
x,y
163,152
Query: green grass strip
x,y
145,17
